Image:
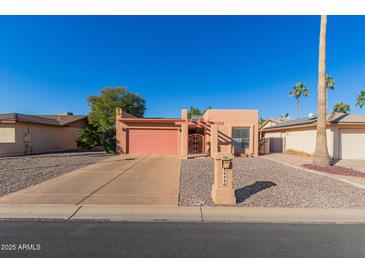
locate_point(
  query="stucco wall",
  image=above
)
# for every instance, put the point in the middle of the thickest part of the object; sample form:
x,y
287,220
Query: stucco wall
x,y
274,134
233,118
40,138
304,140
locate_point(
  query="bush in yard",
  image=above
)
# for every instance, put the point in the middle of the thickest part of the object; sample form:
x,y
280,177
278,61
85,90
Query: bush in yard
x,y
102,115
88,138
108,140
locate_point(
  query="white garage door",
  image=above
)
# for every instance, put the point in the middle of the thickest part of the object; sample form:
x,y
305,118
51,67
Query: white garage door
x,y
352,144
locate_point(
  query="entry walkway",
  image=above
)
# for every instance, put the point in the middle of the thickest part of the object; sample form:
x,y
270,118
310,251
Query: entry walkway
x,y
121,180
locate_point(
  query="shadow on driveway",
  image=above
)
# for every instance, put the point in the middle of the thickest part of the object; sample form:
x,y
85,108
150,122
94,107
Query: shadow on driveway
x,y
246,192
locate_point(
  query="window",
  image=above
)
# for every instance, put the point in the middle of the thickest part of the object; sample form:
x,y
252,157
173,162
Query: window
x,y
7,135
241,137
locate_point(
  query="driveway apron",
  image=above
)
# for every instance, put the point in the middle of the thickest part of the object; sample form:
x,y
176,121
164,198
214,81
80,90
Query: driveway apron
x,y
153,181
124,179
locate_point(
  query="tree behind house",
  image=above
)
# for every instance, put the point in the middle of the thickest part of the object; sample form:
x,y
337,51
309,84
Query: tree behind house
x,y
196,111
102,115
360,100
193,111
330,84
298,91
341,107
261,120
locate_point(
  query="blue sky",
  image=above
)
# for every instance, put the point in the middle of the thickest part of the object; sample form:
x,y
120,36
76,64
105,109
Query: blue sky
x,y
51,64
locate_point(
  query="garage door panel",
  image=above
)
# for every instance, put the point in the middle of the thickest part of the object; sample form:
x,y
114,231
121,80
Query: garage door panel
x,y
352,144
159,141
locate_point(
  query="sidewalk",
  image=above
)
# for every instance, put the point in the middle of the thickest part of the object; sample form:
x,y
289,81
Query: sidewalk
x,y
297,162
182,214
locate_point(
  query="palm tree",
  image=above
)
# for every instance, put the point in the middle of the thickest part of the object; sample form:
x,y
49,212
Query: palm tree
x,y
321,156
330,84
298,91
341,107
360,100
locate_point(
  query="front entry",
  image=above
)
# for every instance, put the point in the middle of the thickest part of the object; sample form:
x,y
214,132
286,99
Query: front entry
x,y
195,144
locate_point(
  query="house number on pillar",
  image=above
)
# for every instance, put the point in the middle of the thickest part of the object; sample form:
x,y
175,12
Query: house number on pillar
x,y
224,176
222,189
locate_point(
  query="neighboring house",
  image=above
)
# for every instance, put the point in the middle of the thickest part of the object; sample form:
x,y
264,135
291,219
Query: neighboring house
x,y
26,134
271,122
345,136
215,131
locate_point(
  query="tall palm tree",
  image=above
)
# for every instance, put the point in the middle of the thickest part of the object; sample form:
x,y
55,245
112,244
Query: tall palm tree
x,y
341,107
298,91
360,100
330,84
321,156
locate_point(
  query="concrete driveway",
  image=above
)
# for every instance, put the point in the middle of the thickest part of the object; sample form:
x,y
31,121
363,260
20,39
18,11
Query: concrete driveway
x,y
120,180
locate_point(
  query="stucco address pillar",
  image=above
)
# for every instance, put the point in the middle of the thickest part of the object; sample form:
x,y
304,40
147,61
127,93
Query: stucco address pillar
x,y
213,140
222,189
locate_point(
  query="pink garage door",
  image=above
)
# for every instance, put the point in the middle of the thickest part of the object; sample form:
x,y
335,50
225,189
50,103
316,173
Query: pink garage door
x,y
159,141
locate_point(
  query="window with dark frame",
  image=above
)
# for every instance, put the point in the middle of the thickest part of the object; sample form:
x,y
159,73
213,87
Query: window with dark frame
x,y
241,137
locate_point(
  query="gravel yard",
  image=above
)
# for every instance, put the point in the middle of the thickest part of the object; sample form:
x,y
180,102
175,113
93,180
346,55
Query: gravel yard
x,y
19,172
263,183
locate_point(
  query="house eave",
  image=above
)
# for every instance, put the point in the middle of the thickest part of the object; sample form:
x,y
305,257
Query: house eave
x,y
150,120
312,125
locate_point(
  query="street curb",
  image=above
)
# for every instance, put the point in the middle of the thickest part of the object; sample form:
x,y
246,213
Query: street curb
x,y
283,215
182,214
317,172
62,212
139,213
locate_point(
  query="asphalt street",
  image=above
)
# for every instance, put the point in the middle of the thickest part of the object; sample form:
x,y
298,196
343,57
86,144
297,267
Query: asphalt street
x,y
116,239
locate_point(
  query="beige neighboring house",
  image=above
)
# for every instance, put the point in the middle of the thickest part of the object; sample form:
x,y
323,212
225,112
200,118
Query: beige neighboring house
x,y
345,136
26,134
271,122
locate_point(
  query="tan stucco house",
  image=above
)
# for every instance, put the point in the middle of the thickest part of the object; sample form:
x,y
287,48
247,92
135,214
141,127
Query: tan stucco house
x,y
26,134
345,136
217,130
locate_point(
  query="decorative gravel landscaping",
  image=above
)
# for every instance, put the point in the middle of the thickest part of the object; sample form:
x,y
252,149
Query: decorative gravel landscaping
x,y
19,172
259,182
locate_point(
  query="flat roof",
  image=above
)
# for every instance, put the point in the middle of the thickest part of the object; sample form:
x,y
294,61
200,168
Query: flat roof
x,y
51,120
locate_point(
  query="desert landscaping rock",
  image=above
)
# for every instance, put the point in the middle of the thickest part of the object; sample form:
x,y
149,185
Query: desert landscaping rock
x,y
262,183
337,170
19,172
